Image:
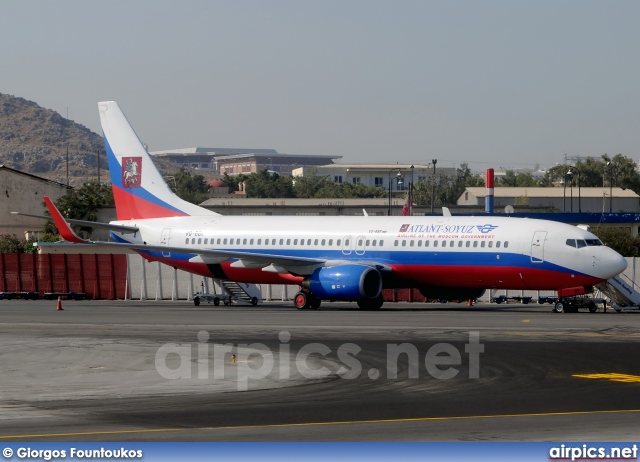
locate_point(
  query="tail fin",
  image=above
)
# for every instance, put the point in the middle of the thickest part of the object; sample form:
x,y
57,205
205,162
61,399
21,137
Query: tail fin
x,y
138,187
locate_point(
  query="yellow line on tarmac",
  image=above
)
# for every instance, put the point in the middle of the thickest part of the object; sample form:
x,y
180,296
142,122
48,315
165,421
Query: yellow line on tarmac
x,y
311,424
611,376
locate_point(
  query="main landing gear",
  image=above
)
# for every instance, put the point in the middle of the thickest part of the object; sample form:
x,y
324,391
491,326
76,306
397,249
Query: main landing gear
x,y
306,301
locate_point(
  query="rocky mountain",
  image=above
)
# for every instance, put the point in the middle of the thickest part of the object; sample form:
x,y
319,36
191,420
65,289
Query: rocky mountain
x,y
35,140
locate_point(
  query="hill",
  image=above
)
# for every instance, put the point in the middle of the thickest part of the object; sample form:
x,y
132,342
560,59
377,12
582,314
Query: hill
x,y
35,140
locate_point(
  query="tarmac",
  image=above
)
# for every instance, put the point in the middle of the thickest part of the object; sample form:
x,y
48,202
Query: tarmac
x,y
170,371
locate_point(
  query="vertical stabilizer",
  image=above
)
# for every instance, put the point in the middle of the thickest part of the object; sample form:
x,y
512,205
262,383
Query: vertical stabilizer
x,y
138,187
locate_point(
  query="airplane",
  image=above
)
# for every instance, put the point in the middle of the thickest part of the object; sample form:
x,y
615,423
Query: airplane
x,y
340,257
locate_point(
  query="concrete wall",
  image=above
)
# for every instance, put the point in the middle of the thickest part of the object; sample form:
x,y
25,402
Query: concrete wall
x,y
23,193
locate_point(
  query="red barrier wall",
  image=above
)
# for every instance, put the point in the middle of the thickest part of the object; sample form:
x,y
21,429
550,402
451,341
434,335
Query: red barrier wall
x,y
98,276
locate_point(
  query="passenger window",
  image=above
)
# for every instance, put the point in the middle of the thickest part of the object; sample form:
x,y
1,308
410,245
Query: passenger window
x,y
444,243
288,241
186,241
395,243
346,242
490,244
315,242
452,243
309,242
338,242
231,242
506,244
330,242
359,242
206,240
367,243
571,242
459,243
259,241
322,243
581,243
244,242
404,243
273,242
281,241
193,240
468,244
475,243
218,241
482,244
498,245
381,243
225,241
251,242
410,243
295,242
199,240
419,243
435,243
374,242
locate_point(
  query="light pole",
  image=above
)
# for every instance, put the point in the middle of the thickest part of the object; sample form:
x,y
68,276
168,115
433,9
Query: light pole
x,y
570,174
564,190
433,184
398,181
411,193
610,164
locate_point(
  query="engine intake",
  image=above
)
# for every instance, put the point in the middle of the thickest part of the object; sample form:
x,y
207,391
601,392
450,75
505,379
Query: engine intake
x,y
344,282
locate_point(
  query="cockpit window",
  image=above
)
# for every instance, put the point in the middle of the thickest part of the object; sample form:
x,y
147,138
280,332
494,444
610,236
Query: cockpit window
x,y
591,242
581,243
571,242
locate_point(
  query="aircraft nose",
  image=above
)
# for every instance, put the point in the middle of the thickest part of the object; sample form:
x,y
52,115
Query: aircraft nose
x,y
611,264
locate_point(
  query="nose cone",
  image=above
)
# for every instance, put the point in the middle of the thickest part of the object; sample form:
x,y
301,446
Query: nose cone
x,y
610,264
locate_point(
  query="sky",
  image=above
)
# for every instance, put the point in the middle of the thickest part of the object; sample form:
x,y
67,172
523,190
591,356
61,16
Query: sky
x,y
502,84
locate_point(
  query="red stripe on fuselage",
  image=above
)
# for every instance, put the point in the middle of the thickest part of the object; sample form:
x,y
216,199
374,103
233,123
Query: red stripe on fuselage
x,y
482,277
130,206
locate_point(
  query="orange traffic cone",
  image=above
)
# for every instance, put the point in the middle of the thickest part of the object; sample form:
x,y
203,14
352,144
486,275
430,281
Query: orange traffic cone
x,y
59,307
470,302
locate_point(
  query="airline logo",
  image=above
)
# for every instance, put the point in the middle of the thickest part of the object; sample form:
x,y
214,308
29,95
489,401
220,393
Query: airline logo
x,y
484,229
131,172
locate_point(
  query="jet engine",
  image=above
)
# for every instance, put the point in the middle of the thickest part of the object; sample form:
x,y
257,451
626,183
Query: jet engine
x,y
344,282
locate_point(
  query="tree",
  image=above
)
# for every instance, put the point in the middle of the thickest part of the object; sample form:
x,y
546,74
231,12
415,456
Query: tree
x,y
448,188
191,188
10,243
265,184
308,186
82,204
619,240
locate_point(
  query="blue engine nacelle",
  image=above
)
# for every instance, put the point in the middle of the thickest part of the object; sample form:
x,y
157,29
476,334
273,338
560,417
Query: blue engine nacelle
x,y
344,282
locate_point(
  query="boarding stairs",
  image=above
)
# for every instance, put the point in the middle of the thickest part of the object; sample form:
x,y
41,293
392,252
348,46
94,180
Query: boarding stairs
x,y
241,292
621,292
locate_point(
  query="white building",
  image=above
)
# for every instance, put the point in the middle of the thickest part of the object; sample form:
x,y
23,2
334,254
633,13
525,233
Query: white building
x,y
386,176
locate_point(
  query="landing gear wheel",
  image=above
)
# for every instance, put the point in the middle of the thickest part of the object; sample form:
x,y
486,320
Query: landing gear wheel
x,y
300,300
216,301
371,304
559,308
196,301
592,308
254,301
314,302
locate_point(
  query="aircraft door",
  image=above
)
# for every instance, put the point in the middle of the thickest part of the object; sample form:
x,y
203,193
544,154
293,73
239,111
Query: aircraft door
x,y
537,246
360,245
164,240
347,244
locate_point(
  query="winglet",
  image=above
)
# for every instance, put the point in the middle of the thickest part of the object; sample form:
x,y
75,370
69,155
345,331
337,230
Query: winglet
x,y
63,227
